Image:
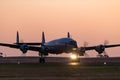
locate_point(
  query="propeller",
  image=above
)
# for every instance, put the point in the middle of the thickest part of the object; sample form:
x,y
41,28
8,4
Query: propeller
x,y
23,55
101,49
104,52
85,44
21,41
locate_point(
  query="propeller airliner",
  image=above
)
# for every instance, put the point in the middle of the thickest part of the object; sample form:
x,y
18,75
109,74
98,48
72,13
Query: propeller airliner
x,y
57,46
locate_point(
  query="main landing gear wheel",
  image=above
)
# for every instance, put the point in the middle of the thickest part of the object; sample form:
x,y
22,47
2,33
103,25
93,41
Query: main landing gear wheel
x,y
106,56
102,56
99,55
41,60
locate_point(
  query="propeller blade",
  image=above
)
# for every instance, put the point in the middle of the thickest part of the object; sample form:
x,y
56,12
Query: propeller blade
x,y
23,55
105,54
106,42
85,44
86,55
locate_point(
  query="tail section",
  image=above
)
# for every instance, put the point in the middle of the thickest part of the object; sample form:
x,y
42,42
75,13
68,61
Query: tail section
x,y
43,38
68,35
17,38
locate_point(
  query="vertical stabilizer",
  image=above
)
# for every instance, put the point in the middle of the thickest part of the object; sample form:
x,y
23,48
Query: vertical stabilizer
x,y
17,38
68,35
43,38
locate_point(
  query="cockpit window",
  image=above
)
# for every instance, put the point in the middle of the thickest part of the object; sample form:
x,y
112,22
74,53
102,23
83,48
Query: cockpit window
x,y
73,43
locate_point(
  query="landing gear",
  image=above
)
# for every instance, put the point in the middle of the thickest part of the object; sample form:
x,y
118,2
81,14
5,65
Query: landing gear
x,y
41,60
106,56
102,56
99,56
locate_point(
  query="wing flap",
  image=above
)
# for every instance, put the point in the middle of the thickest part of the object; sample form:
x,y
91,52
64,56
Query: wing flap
x,y
30,43
34,48
109,46
10,45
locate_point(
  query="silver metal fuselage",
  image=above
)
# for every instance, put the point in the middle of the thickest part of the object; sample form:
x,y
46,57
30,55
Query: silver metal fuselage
x,y
60,45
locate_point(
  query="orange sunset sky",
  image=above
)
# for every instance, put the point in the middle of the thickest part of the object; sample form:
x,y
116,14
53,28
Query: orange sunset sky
x,y
87,20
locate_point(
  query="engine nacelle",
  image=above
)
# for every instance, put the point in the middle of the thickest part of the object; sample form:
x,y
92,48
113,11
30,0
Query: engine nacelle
x,y
43,51
100,49
81,51
24,48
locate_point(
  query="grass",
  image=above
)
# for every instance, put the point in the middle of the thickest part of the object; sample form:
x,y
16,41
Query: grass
x,y
58,72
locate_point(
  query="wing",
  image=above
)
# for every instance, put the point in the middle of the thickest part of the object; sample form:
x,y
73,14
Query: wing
x,y
105,46
99,48
30,43
32,48
109,46
9,45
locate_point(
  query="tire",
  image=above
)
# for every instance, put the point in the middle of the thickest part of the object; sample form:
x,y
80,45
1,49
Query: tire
x,y
41,60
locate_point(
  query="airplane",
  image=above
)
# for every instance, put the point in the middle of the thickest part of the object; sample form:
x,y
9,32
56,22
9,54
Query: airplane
x,y
57,46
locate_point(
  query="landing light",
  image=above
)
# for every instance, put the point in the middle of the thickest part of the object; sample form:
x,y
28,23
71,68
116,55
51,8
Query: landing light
x,y
73,56
74,48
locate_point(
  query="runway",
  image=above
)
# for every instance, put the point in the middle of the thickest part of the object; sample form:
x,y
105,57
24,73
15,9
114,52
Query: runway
x,y
58,71
60,60
60,68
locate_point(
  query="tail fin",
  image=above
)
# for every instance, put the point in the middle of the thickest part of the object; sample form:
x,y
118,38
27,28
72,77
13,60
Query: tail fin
x,y
43,38
68,35
17,38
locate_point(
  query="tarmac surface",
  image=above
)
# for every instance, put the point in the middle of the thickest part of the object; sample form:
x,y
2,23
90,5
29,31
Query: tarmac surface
x,y
61,60
58,71
60,68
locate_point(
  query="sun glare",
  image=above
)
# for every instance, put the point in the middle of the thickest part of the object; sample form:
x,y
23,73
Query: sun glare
x,y
73,56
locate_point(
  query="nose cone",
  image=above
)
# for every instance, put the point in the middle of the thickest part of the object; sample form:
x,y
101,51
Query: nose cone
x,y
74,43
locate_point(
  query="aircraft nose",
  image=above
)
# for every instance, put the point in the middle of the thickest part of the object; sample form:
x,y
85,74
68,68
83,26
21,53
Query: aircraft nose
x,y
74,43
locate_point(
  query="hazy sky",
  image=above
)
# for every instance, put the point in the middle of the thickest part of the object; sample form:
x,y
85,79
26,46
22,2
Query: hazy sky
x,y
87,20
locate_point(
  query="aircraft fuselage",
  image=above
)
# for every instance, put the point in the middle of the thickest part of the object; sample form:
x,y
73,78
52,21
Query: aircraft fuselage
x,y
60,45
